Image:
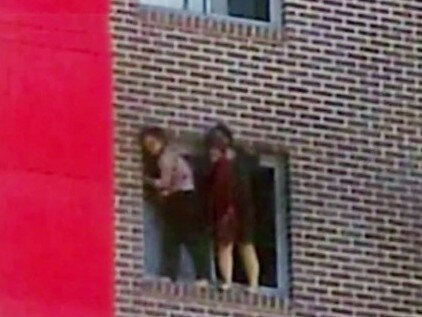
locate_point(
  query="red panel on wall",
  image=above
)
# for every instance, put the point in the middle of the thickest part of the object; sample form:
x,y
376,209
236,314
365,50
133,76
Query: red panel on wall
x,y
55,121
55,160
55,254
54,6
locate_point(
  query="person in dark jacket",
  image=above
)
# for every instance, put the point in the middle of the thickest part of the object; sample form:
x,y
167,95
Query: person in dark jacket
x,y
230,204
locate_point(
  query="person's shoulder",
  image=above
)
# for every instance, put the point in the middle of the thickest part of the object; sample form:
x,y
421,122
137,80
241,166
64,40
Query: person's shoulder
x,y
168,155
246,153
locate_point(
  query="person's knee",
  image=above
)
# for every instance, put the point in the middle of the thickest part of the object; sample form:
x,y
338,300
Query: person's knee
x,y
246,247
224,247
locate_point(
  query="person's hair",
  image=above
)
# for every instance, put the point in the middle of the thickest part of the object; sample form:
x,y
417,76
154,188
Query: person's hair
x,y
155,132
218,127
150,164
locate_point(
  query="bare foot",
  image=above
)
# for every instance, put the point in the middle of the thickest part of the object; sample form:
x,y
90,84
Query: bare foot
x,y
202,283
252,289
225,286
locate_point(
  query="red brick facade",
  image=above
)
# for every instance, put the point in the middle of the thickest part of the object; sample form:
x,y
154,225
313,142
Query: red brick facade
x,y
339,87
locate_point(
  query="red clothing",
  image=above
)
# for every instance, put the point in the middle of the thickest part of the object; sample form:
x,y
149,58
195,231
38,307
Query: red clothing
x,y
222,203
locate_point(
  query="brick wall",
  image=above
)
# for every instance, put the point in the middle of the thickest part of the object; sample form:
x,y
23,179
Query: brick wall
x,y
342,92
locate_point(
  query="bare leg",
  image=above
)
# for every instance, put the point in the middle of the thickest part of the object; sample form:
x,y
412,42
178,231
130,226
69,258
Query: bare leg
x,y
225,263
251,264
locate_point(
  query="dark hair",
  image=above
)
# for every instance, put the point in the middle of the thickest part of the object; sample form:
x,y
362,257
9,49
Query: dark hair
x,y
218,127
155,132
149,162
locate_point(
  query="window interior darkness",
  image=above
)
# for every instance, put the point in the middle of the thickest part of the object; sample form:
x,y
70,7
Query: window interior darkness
x,y
250,9
265,237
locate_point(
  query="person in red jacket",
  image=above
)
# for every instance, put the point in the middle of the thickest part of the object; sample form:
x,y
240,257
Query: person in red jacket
x,y
230,204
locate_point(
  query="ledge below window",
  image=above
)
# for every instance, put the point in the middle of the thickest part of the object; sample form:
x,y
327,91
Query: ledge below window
x,y
213,25
236,296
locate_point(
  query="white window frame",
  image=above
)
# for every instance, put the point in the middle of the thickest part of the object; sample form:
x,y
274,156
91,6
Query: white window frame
x,y
281,224
281,231
275,11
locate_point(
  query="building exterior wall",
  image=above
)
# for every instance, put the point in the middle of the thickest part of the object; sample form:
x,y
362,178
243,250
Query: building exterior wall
x,y
339,87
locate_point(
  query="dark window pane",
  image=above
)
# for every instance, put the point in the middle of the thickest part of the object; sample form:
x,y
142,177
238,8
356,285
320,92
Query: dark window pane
x,y
265,238
250,9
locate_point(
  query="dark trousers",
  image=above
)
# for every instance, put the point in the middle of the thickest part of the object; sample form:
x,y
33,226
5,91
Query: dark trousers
x,y
183,224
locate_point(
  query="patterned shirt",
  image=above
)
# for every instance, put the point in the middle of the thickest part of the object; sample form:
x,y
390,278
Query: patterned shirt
x,y
176,174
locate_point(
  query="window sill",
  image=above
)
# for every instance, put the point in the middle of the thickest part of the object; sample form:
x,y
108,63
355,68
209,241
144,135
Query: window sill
x,y
236,296
213,25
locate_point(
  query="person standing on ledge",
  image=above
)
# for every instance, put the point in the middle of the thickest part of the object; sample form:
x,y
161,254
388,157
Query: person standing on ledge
x,y
230,204
182,218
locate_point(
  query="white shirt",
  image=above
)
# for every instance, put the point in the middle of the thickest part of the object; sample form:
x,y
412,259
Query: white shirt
x,y
176,174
